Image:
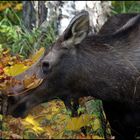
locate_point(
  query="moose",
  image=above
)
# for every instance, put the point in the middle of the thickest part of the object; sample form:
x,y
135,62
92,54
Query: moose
x,y
105,65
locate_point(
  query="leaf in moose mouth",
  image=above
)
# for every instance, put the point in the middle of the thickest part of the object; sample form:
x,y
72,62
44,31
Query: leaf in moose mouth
x,y
31,82
27,84
35,84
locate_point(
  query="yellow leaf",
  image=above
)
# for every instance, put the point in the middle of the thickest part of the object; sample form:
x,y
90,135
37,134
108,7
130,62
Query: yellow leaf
x,y
20,68
59,135
28,79
38,54
18,6
96,124
49,117
6,51
97,137
37,129
1,117
35,124
30,120
31,82
11,63
55,109
35,84
77,122
15,69
49,131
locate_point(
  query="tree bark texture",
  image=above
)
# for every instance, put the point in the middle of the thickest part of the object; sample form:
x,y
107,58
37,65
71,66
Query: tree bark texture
x,y
61,12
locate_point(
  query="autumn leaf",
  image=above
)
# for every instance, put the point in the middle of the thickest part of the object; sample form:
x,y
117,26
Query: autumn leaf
x,y
97,137
45,121
15,136
82,136
15,69
28,80
18,6
35,83
76,123
19,68
31,82
34,125
37,55
1,70
96,124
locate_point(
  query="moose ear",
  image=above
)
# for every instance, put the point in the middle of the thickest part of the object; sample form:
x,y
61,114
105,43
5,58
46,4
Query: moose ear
x,y
77,30
130,25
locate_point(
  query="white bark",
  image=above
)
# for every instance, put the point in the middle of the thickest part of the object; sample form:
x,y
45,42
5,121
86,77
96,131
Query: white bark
x,y
61,12
64,11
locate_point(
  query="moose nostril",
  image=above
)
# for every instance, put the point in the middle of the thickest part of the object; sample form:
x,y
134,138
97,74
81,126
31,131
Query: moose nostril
x,y
45,67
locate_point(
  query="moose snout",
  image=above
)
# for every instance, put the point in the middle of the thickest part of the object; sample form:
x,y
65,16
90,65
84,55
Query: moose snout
x,y
45,67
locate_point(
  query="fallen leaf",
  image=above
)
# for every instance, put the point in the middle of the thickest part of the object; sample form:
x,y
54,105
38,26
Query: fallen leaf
x,y
15,136
34,124
38,54
97,137
76,123
15,69
96,124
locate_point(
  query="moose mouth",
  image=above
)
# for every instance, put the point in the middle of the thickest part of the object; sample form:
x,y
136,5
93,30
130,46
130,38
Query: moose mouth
x,y
10,106
19,111
21,105
18,104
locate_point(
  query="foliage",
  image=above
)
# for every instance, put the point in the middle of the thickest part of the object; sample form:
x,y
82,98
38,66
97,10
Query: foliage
x,y
15,36
125,7
20,40
53,121
11,66
10,4
6,8
49,120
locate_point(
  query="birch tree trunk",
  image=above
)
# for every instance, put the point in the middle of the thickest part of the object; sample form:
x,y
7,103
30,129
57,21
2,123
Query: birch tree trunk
x,y
61,12
98,12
